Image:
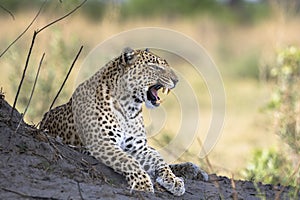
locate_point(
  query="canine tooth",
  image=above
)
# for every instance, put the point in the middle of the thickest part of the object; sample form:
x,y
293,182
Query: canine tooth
x,y
168,90
165,91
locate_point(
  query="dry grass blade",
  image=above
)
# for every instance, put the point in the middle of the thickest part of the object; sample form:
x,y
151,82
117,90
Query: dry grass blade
x,y
34,84
23,75
66,78
72,65
8,11
206,157
29,25
277,196
61,18
32,91
234,193
30,50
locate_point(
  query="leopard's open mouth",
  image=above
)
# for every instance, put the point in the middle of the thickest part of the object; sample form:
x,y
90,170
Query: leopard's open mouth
x,y
152,94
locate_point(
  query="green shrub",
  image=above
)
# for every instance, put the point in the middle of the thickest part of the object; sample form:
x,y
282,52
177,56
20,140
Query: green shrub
x,y
282,166
267,166
286,99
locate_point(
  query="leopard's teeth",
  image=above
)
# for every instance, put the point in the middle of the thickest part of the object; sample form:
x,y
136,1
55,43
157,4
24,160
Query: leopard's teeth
x,y
159,101
165,91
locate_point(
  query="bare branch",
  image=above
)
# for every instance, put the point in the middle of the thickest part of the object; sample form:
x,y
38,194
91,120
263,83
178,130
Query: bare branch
x,y
30,50
6,10
38,13
34,84
61,18
32,91
66,76
23,75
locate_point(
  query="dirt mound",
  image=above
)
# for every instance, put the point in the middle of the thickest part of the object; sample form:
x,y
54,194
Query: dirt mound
x,y
34,166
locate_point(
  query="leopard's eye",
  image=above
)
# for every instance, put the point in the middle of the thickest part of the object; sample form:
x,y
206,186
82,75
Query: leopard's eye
x,y
157,67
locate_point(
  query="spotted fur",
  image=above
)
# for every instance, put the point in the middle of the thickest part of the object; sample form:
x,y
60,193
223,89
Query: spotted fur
x,y
104,115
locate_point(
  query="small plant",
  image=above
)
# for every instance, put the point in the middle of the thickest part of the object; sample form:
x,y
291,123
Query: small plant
x,y
286,98
268,166
271,166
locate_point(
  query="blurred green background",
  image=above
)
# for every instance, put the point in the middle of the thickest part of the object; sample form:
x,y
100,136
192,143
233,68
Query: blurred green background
x,y
243,37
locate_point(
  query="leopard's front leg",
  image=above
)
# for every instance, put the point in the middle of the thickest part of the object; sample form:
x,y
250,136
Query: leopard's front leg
x,y
123,163
101,143
154,164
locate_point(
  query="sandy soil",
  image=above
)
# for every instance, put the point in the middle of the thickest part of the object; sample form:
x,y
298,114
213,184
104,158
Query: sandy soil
x,y
34,166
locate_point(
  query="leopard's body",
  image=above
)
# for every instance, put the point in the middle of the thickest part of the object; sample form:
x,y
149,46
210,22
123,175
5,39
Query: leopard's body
x,y
104,115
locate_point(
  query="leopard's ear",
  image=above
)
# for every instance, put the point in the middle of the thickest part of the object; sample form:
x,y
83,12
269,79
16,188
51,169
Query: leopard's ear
x,y
128,56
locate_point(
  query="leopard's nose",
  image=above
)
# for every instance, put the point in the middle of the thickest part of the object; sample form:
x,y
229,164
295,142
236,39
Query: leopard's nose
x,y
175,80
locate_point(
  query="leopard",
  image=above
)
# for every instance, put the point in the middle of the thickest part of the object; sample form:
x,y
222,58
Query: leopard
x,y
104,115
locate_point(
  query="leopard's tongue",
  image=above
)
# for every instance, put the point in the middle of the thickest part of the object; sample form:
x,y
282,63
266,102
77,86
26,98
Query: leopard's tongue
x,y
154,93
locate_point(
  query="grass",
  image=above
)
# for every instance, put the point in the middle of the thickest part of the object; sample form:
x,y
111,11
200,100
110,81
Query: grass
x,y
237,50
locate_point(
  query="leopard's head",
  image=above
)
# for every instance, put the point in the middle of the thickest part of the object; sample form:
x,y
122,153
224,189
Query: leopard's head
x,y
144,74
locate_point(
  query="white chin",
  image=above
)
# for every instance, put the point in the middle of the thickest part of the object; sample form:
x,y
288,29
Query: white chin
x,y
149,104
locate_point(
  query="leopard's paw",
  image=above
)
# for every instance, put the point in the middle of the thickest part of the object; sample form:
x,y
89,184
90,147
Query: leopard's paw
x,y
139,181
174,185
170,182
189,170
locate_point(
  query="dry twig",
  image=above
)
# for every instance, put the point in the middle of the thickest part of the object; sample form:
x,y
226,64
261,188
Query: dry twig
x,y
32,91
61,87
37,14
63,17
30,50
206,157
8,11
23,75
66,78
234,192
34,84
